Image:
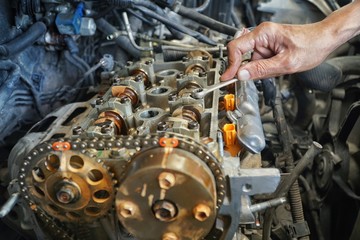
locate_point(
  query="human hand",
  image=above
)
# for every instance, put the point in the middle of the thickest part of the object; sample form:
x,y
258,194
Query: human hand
x,y
278,49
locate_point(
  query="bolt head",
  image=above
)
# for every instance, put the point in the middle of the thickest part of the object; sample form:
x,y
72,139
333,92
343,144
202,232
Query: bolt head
x,y
164,210
201,212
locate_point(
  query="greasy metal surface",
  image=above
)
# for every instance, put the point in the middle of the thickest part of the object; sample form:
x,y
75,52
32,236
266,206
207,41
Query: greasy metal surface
x,y
186,217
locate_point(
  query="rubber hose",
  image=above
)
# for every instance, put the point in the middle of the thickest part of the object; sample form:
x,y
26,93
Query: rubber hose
x,y
176,26
327,75
21,42
121,41
207,21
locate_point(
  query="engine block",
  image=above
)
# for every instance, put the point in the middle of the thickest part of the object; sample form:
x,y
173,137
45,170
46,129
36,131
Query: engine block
x,y
147,157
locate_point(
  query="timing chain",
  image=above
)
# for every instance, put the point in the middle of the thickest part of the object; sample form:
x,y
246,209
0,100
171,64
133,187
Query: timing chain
x,y
85,144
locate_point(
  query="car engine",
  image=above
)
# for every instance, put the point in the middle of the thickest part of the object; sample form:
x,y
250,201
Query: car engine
x,y
115,125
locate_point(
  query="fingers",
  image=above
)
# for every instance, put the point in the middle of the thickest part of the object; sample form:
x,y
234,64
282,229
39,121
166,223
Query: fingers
x,y
264,68
236,49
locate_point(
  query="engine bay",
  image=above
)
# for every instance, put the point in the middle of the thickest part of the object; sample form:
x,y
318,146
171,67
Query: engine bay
x,y
115,125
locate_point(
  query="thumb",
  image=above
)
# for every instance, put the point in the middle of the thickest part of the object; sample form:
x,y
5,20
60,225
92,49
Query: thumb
x,y
260,69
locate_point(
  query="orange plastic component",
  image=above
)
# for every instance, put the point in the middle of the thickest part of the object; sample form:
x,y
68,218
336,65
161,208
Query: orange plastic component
x,y
61,146
168,142
230,140
229,102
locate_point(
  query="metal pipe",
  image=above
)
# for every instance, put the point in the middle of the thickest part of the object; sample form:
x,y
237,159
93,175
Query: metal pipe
x,y
268,204
10,203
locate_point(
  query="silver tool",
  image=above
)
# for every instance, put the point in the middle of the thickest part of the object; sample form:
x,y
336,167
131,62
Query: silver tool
x,y
201,92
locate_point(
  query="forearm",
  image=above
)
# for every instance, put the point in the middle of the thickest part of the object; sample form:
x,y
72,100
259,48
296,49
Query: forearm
x,y
342,24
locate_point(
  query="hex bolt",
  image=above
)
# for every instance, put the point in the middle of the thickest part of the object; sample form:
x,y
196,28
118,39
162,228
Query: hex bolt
x,y
77,130
161,126
205,58
138,78
164,210
201,212
99,101
166,180
185,59
172,96
105,129
125,100
117,152
193,125
127,209
169,236
180,75
202,74
148,62
67,194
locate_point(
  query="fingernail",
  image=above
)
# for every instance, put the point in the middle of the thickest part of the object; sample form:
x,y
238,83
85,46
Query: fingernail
x,y
244,75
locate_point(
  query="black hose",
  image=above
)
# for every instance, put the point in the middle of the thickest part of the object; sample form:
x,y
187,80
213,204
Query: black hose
x,y
21,42
286,184
176,26
207,21
122,41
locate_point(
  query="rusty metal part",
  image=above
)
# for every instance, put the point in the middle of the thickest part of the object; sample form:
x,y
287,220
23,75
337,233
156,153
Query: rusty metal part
x,y
125,92
204,55
91,149
70,186
141,75
158,204
190,113
106,117
188,88
195,68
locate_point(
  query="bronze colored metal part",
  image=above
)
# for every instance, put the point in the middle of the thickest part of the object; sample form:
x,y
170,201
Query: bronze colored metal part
x,y
111,116
71,186
203,54
158,184
125,92
139,73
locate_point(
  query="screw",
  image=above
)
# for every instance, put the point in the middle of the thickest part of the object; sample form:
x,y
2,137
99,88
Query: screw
x,y
117,152
205,58
67,194
179,75
193,125
172,96
138,78
148,62
161,126
166,180
125,100
164,211
185,59
99,101
106,128
77,130
201,212
169,236
202,74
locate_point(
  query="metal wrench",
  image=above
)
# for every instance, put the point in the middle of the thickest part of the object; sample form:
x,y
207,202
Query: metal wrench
x,y
201,92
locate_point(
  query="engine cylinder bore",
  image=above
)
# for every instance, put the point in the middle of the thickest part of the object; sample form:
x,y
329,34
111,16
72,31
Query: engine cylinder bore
x,y
71,186
155,192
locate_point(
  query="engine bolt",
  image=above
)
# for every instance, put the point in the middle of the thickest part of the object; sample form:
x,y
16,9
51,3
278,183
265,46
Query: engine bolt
x,y
172,96
164,211
125,100
180,75
161,126
169,236
202,74
166,180
201,212
205,58
138,78
106,129
129,63
127,209
99,101
185,59
77,130
193,125
148,62
66,194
